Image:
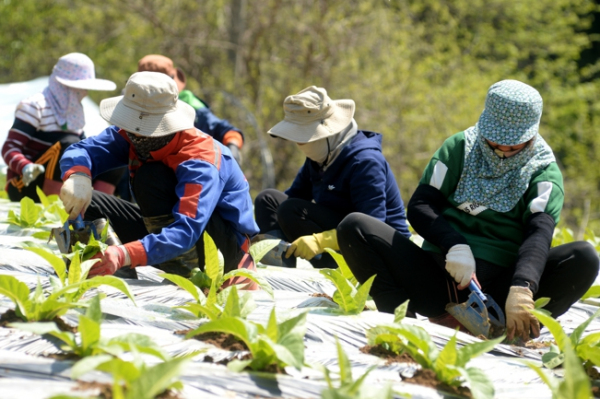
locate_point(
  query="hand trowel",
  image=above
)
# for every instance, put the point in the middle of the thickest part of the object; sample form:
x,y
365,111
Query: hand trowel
x,y
66,237
480,314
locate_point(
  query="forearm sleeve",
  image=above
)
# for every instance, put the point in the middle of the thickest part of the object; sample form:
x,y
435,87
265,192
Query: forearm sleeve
x,y
424,212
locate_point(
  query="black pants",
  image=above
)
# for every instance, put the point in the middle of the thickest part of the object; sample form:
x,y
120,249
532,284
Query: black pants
x,y
154,189
405,271
295,217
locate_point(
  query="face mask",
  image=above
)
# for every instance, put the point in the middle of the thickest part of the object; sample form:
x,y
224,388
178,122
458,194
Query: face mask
x,y
144,145
315,150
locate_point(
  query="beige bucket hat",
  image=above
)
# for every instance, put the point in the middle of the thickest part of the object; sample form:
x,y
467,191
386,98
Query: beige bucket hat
x,y
311,115
149,106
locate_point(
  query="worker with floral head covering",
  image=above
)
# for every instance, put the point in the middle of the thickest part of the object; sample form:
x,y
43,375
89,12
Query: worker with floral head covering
x,y
486,206
47,123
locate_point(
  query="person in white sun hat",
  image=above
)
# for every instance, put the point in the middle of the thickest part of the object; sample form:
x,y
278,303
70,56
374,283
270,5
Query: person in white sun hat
x,y
344,171
184,183
486,206
47,123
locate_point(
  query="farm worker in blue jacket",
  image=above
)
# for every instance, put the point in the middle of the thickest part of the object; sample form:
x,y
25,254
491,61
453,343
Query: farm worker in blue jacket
x,y
205,120
344,172
183,180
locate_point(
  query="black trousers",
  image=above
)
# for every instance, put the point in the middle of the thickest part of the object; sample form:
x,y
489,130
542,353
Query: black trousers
x,y
295,217
405,271
154,188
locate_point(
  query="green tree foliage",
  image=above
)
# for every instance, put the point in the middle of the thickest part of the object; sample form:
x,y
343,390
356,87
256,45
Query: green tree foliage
x,y
418,70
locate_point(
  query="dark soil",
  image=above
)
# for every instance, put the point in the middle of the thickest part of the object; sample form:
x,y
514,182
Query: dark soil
x,y
220,340
592,373
106,390
62,356
428,378
596,392
388,355
10,316
321,295
205,291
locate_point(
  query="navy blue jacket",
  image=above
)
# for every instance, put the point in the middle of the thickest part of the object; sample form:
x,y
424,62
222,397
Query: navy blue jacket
x,y
359,180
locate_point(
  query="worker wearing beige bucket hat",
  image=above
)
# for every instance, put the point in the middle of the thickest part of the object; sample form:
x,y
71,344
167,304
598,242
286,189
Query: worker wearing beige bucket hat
x,y
48,122
486,206
344,172
205,120
184,183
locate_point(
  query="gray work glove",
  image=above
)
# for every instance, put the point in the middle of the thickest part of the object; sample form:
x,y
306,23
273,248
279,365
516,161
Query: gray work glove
x,y
31,172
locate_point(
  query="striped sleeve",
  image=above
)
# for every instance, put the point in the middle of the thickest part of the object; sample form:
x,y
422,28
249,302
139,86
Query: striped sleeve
x,y
545,193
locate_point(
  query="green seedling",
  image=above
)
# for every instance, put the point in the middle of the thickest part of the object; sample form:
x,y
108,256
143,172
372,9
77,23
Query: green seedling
x,y
449,364
348,387
279,344
575,384
136,380
587,348
90,342
350,299
50,211
261,248
216,304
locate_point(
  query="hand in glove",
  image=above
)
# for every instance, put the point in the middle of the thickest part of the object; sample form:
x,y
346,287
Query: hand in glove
x,y
518,320
235,151
114,258
31,172
460,263
76,194
307,247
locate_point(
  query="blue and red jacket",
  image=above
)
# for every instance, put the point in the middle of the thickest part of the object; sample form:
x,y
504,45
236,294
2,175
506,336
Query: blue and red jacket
x,y
208,180
359,180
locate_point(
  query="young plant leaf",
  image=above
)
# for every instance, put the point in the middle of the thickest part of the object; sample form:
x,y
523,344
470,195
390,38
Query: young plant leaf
x,y
186,284
343,266
251,275
55,261
213,267
400,312
16,291
259,249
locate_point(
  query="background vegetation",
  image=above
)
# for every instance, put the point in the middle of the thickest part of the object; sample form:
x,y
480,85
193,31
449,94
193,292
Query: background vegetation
x,y
418,70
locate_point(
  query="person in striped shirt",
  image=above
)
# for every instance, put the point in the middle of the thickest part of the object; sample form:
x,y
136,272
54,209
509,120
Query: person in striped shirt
x,y
486,207
45,124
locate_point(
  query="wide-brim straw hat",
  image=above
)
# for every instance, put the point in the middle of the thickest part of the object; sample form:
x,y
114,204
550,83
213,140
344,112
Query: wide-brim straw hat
x,y
512,113
311,115
149,106
76,70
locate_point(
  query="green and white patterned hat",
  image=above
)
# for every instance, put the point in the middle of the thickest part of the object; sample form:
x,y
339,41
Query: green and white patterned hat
x,y
512,113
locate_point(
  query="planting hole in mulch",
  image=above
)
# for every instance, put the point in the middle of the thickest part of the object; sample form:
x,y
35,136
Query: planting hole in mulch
x,y
321,295
426,377
105,390
388,355
10,316
220,340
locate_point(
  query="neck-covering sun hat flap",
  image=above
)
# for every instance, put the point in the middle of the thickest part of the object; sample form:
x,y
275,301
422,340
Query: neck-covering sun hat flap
x,y
311,115
511,116
149,106
76,70
512,113
160,63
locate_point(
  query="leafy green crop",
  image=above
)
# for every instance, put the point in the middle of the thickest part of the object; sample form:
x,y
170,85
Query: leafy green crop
x,y
50,211
350,299
135,380
218,303
449,364
67,288
575,383
586,348
348,387
280,344
90,343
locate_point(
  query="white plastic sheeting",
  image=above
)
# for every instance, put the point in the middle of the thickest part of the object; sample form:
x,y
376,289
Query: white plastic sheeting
x,y
23,356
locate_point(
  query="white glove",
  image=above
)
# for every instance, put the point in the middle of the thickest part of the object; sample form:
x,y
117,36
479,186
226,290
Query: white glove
x,y
460,263
76,194
31,171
